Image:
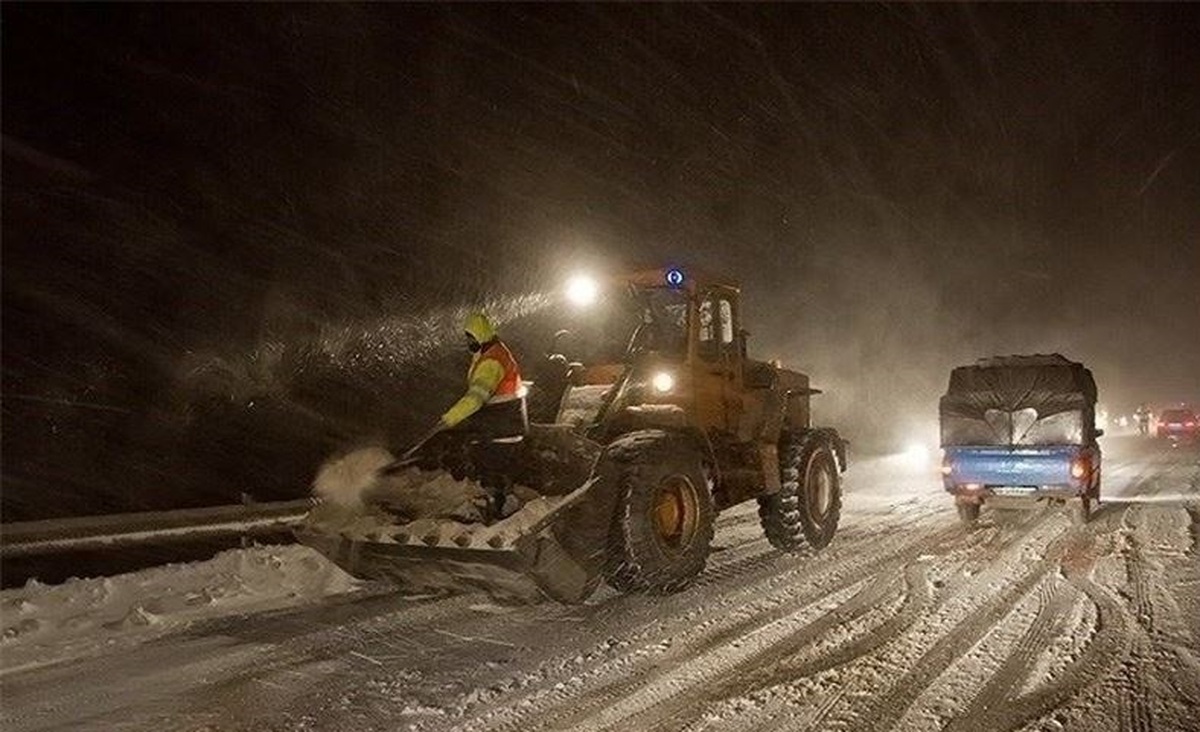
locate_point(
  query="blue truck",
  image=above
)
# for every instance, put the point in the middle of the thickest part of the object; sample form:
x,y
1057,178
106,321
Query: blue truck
x,y
1019,432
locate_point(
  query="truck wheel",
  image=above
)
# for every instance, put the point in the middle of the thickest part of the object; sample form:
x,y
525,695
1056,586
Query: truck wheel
x,y
664,515
968,513
1080,510
809,503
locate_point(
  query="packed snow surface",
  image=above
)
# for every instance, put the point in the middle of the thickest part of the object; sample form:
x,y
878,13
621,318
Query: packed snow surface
x,y
907,621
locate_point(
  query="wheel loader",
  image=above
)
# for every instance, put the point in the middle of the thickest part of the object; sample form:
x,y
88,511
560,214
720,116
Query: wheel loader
x,y
636,442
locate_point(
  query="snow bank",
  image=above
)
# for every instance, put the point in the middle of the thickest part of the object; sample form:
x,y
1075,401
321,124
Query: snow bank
x,y
46,624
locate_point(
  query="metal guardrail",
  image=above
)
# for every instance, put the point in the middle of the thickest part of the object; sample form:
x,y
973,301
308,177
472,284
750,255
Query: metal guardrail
x,y
90,533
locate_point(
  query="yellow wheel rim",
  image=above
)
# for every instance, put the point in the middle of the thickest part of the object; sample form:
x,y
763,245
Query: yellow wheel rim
x,y
675,512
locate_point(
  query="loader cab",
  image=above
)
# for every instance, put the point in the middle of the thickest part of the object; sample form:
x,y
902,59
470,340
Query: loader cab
x,y
706,351
684,349
718,331
717,358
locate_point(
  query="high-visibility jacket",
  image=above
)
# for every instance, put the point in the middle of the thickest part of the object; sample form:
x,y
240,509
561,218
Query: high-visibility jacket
x,y
493,378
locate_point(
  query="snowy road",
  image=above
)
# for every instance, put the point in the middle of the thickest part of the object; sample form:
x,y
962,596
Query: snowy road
x,y
907,621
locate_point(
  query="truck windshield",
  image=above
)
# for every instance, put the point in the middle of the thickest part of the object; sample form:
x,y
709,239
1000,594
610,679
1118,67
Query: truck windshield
x,y
664,323
652,320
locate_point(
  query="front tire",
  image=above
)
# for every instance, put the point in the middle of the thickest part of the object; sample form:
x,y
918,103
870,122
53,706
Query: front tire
x,y
664,521
808,506
968,513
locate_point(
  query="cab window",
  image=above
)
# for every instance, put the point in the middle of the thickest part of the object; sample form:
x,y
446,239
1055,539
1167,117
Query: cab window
x,y
716,326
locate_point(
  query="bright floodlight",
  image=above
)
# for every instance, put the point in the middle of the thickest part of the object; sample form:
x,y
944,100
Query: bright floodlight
x,y
582,290
663,382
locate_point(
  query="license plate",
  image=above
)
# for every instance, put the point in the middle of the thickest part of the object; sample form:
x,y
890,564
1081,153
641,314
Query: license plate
x,y
1012,490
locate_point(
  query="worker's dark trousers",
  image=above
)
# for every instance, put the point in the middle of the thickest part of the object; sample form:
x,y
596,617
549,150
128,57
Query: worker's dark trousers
x,y
492,442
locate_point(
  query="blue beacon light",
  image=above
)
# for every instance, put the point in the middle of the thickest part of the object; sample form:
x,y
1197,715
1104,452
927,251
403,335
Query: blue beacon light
x,y
675,277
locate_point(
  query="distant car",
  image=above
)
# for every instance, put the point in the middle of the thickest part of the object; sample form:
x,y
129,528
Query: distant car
x,y
1178,424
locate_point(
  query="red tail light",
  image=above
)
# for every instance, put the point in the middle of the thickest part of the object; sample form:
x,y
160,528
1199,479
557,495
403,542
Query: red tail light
x,y
1079,467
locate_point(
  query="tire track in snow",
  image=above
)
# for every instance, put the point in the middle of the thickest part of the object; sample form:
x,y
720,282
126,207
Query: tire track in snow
x,y
766,672
1001,689
1152,530
792,593
886,710
734,563
673,703
757,677
690,700
659,713
1109,646
1097,661
1136,695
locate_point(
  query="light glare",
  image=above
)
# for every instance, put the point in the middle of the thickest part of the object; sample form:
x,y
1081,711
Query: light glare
x,y
663,382
582,290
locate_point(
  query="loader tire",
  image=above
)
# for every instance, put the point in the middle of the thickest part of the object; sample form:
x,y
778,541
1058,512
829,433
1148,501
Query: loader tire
x,y
809,504
664,516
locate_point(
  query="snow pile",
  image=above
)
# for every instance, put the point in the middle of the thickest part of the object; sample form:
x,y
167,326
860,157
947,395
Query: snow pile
x,y
351,484
421,494
44,624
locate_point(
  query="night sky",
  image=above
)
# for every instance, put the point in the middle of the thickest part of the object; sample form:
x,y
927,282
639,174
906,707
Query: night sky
x,y
236,238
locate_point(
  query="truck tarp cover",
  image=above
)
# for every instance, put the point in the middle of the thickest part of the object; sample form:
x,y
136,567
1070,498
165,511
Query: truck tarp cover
x,y
1019,400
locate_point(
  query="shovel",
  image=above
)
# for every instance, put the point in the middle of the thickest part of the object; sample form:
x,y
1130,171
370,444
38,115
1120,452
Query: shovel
x,y
409,457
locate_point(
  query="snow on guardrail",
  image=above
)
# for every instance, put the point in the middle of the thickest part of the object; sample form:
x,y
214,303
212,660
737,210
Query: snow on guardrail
x,y
30,538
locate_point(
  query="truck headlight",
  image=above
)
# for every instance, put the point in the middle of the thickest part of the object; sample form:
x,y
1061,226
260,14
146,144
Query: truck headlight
x,y
663,382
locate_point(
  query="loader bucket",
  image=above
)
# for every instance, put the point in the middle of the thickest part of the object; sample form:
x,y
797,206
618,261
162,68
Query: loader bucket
x,y
517,558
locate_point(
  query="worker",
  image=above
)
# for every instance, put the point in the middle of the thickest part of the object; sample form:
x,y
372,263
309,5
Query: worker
x,y
495,398
490,419
1142,416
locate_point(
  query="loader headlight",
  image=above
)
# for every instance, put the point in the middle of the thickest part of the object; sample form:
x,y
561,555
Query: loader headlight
x,y
582,290
663,382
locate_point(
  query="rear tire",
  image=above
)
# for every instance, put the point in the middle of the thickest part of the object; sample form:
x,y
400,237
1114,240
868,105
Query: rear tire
x,y
1080,510
664,520
968,513
809,504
